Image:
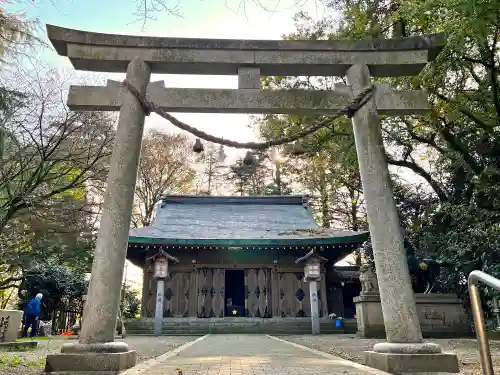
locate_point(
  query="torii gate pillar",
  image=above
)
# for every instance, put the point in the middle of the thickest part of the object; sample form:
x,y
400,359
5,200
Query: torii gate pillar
x,y
404,350
96,349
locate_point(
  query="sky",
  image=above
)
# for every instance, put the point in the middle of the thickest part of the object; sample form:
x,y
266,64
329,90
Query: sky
x,y
229,19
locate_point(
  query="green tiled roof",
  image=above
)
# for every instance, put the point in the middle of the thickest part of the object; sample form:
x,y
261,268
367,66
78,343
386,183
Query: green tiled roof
x,y
238,221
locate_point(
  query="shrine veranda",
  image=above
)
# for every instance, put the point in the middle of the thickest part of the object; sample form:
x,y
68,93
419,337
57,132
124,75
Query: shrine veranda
x,y
140,57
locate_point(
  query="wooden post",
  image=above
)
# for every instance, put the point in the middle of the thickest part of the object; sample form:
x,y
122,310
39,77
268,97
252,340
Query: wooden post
x,y
312,272
313,291
160,291
160,274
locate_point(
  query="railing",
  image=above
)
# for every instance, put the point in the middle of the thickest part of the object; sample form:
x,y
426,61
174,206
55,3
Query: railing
x,y
477,311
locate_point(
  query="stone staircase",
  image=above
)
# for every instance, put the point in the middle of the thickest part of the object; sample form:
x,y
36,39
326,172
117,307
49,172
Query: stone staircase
x,y
197,326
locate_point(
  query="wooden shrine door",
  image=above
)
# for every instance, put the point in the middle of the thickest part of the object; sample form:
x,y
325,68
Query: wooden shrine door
x,y
294,295
176,303
258,293
210,293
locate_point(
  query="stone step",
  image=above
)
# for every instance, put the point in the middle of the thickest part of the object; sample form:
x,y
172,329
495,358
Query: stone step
x,y
199,331
206,324
183,333
196,326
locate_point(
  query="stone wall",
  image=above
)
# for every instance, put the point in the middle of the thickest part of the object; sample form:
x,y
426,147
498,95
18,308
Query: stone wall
x,y
440,315
10,323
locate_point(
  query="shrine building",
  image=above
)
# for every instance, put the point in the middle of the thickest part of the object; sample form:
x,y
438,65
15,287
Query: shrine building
x,y
236,258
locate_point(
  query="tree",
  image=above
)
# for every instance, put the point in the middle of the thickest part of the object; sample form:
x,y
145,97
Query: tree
x,y
58,284
130,303
16,32
327,168
213,167
54,153
147,10
51,159
250,178
453,216
165,168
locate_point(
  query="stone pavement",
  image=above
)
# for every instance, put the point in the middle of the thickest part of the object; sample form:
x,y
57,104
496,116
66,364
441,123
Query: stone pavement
x,y
250,355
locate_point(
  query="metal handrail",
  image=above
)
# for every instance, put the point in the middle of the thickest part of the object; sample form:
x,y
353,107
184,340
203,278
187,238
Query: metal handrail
x,y
477,312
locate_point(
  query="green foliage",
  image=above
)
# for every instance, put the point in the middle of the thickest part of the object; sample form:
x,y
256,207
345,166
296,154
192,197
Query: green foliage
x,y
11,360
130,303
57,283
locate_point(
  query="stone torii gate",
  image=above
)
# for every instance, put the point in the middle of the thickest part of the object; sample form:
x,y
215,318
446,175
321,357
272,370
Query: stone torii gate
x,y
139,57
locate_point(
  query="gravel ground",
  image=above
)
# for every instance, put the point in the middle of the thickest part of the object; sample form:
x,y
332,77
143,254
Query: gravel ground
x,y
33,362
350,347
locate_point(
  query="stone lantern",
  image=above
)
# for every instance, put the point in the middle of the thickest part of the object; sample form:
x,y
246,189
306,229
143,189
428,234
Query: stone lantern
x,y
312,274
160,261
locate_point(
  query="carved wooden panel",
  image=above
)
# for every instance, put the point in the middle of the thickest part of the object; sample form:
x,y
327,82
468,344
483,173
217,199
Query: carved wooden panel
x,y
168,302
323,305
146,286
151,298
176,295
257,292
251,286
264,290
294,295
302,289
275,293
217,293
193,293
205,279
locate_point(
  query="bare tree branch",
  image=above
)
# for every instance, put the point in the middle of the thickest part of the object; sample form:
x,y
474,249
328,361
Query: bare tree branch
x,y
165,168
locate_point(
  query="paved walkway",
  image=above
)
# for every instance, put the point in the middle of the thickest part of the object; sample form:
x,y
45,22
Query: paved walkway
x,y
252,355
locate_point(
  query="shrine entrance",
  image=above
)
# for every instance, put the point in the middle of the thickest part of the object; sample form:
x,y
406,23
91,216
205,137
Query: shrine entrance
x,y
234,292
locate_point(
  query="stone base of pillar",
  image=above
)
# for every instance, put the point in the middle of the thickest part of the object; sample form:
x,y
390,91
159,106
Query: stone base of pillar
x,y
102,358
424,358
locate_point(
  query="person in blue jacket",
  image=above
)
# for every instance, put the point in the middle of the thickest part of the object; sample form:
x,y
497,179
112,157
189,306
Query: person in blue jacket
x,y
32,314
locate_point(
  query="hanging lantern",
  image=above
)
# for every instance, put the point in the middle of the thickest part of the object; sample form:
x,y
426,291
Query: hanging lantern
x,y
161,267
312,271
249,159
198,146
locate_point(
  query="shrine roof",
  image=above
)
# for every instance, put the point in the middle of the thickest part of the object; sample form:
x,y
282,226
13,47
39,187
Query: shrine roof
x,y
233,221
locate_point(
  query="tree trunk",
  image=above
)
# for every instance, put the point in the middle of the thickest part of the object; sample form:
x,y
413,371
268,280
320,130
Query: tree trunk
x,y
325,203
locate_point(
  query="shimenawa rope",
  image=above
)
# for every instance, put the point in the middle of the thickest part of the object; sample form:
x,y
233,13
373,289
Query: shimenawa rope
x,y
354,105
